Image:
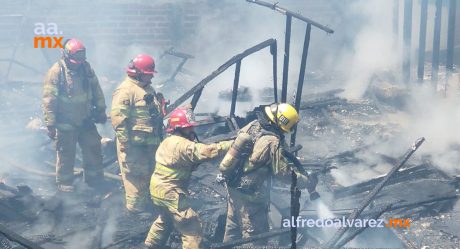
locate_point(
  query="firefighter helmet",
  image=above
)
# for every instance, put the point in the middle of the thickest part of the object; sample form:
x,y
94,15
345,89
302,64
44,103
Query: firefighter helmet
x,y
141,64
181,118
74,51
286,115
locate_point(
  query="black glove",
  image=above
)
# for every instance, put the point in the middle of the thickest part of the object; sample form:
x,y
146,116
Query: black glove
x,y
312,182
51,132
100,117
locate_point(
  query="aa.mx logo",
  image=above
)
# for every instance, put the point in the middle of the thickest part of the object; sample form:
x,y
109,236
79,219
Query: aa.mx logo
x,y
398,223
46,35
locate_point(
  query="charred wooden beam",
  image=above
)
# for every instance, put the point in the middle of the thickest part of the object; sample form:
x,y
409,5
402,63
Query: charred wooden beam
x,y
236,82
287,46
238,242
303,65
18,238
451,36
407,34
422,41
274,53
175,53
348,211
295,207
377,214
332,243
436,43
198,88
321,103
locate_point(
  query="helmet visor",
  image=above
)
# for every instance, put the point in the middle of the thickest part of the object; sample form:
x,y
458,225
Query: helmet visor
x,y
78,57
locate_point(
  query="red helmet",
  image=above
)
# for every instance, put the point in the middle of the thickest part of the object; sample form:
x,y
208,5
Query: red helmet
x,y
141,64
74,51
181,118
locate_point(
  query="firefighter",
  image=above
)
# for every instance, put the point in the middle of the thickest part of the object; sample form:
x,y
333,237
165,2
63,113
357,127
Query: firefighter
x,y
73,102
249,177
137,119
177,156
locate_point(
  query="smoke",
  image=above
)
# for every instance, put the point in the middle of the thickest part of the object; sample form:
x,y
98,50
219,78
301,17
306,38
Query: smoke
x,y
373,50
437,118
229,27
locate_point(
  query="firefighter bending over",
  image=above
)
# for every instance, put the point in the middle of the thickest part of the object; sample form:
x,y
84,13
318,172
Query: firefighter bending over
x,y
177,156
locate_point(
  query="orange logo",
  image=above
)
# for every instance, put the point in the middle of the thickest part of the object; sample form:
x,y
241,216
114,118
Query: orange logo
x,y
47,35
48,41
398,223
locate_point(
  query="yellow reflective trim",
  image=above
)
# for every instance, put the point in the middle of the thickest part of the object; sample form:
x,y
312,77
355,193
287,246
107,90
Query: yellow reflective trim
x,y
119,108
165,203
172,172
50,89
140,113
74,99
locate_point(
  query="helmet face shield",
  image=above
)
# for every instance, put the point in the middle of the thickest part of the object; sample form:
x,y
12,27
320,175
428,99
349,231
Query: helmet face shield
x,y
74,51
78,57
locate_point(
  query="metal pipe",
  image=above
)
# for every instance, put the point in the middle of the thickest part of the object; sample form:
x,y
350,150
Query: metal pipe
x,y
274,52
236,81
407,33
436,43
303,65
287,44
291,13
422,41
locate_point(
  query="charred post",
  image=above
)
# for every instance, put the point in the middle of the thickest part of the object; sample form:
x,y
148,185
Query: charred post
x,y
422,41
407,34
451,36
303,65
235,87
436,43
274,53
295,207
287,44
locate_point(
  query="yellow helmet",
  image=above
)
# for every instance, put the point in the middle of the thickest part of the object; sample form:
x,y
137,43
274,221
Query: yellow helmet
x,y
286,115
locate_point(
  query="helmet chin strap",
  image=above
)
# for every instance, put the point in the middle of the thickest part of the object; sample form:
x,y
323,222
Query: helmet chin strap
x,y
190,136
71,65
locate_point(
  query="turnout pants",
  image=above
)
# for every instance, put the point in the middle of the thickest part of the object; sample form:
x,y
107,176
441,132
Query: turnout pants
x,y
89,141
136,166
186,222
245,218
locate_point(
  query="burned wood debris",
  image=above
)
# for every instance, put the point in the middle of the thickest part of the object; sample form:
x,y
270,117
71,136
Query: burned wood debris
x,y
420,190
339,140
244,94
